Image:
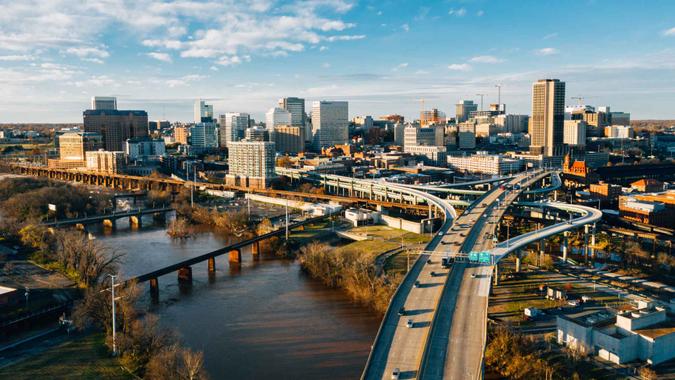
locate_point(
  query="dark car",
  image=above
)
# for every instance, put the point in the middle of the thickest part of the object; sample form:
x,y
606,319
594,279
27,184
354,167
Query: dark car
x,y
417,284
401,311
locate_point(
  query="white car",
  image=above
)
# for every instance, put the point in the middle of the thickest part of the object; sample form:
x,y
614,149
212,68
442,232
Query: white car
x,y
409,324
396,374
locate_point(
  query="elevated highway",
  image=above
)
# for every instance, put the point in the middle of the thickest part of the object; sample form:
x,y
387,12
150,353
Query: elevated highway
x,y
401,346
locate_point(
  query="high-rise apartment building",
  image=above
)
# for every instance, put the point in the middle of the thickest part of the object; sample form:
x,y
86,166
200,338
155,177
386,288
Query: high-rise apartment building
x,y
432,117
428,136
116,126
257,134
548,116
330,123
203,113
463,110
144,149
233,125
104,103
251,163
181,134
289,139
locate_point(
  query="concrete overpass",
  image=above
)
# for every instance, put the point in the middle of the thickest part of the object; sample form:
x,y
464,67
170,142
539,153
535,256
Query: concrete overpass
x,y
403,347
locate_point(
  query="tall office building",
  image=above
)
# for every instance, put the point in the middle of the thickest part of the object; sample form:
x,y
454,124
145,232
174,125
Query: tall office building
x,y
289,139
104,103
181,134
296,106
463,110
105,161
116,126
233,125
251,163
204,136
257,134
277,116
548,117
433,135
74,145
330,123
203,112
432,117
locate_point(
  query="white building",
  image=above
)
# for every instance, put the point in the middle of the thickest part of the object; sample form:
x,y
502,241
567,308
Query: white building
x,y
202,112
575,133
204,136
619,131
251,163
277,116
330,123
512,123
141,149
433,135
432,155
232,127
105,161
644,334
484,163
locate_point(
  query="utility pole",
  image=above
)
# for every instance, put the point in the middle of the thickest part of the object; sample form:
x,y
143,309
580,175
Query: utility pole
x,y
481,100
112,298
192,188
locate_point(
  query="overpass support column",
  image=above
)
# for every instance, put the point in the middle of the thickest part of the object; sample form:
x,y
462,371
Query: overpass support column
x,y
255,249
154,287
110,223
586,244
185,275
135,220
593,241
235,256
212,264
496,274
518,263
565,243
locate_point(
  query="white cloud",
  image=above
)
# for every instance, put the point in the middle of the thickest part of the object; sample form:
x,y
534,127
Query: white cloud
x,y
486,59
400,66
547,51
233,60
164,57
669,32
480,13
183,81
88,53
14,58
405,27
322,48
459,67
461,12
549,36
346,37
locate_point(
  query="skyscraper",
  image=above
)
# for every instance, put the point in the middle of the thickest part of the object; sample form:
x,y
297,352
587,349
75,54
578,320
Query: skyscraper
x,y
463,110
232,127
203,112
116,126
278,116
548,117
104,103
204,136
296,106
330,123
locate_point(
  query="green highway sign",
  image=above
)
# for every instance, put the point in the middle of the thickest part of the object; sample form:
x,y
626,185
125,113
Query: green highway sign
x,y
484,257
473,256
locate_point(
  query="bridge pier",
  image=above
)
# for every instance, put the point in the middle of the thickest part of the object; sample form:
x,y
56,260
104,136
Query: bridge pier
x,y
136,220
212,264
185,275
255,249
79,227
154,287
235,256
110,223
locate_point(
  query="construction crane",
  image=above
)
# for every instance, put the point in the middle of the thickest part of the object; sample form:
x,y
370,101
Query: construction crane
x,y
481,100
579,98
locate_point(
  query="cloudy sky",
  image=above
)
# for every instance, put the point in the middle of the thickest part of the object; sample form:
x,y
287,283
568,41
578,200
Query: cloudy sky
x,y
382,56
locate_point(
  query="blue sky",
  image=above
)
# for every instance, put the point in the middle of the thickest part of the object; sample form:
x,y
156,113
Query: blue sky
x,y
381,56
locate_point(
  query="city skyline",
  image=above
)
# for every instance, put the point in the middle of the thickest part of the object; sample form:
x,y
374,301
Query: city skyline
x,y
380,57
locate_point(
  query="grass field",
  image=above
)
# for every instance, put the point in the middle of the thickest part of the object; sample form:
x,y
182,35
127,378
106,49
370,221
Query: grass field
x,y
82,358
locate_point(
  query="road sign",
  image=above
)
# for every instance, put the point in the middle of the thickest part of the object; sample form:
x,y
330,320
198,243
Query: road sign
x,y
484,257
473,256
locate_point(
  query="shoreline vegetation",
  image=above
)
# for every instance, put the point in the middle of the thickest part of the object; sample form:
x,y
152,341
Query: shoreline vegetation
x,y
145,349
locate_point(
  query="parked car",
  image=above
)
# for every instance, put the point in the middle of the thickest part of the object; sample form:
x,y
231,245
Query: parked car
x,y
396,374
409,324
401,311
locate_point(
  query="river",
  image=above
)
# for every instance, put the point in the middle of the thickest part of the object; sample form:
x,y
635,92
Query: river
x,y
266,319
